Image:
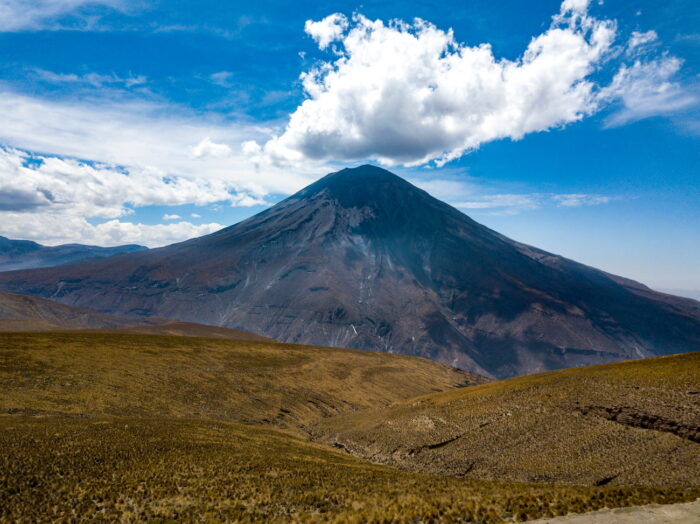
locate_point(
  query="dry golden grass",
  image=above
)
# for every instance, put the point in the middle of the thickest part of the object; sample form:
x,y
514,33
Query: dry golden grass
x,y
186,329
167,376
109,469
628,423
105,427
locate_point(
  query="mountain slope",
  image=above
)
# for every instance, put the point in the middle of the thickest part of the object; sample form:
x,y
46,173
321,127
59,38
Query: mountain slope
x,y
25,313
363,259
25,254
629,423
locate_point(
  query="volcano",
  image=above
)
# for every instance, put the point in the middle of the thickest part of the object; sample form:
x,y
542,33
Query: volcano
x,y
363,259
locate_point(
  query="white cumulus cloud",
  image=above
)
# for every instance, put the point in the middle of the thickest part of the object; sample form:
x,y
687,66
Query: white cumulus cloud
x,y
100,190
327,30
50,199
207,148
52,229
410,93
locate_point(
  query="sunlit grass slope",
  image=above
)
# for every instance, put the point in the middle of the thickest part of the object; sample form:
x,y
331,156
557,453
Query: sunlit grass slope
x,y
184,377
123,469
628,423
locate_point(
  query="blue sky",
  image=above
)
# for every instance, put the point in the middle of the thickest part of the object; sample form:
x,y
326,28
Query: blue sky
x,y
151,122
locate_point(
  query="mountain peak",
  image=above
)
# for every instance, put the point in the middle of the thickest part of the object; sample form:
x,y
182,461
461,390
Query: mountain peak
x,y
366,172
361,186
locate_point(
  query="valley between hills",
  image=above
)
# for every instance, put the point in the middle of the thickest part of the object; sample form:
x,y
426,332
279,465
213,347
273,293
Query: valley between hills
x,y
103,425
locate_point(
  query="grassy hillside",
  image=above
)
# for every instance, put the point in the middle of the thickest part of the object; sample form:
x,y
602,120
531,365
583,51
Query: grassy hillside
x,y
628,423
189,329
110,469
116,426
233,380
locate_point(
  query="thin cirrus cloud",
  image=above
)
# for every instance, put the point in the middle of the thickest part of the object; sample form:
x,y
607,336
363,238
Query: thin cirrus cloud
x,y
32,15
143,134
470,195
410,93
90,79
646,89
513,204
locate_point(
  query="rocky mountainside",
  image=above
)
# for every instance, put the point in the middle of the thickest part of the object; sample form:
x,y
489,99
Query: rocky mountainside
x,y
363,259
25,313
25,254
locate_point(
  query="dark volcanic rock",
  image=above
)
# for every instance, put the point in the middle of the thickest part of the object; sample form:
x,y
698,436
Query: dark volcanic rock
x,y
363,259
25,254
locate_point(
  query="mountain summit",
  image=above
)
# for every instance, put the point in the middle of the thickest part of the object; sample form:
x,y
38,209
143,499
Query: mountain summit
x,y
363,259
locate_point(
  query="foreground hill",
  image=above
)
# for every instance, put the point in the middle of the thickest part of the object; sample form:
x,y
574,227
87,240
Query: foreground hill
x,y
188,329
133,427
629,423
364,259
25,254
243,381
164,470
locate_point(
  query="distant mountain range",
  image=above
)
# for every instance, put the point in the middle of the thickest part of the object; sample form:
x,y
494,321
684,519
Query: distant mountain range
x,y
363,259
26,313
25,254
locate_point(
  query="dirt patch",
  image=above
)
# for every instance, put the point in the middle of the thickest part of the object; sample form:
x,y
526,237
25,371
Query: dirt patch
x,y
688,513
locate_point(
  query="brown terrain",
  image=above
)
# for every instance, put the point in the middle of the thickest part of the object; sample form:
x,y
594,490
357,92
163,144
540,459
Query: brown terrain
x,y
254,382
630,423
363,259
141,427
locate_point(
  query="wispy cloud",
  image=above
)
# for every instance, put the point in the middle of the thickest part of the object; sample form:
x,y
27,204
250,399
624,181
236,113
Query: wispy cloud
x,y
222,78
474,195
646,89
638,41
145,134
33,15
90,79
512,204
101,157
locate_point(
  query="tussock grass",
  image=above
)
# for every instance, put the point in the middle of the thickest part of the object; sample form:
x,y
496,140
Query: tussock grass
x,y
129,427
627,423
244,381
107,469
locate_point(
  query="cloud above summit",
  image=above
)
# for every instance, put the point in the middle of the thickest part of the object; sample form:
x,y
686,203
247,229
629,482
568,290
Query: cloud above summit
x,y
410,93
